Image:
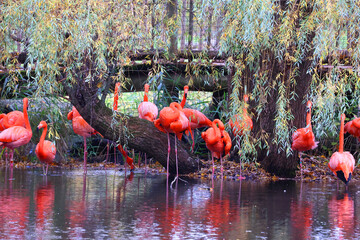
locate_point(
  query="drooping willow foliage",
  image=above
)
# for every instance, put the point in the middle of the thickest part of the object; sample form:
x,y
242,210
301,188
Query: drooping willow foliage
x,y
254,30
255,37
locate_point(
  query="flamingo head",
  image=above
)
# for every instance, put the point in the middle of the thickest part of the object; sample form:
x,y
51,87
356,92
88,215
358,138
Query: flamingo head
x,y
147,87
25,102
42,124
117,85
342,117
186,89
246,98
308,106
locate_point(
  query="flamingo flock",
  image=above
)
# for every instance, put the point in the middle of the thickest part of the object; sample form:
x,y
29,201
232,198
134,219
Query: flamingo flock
x,y
15,131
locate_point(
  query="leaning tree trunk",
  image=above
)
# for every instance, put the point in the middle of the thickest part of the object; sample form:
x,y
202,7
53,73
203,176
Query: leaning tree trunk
x,y
141,135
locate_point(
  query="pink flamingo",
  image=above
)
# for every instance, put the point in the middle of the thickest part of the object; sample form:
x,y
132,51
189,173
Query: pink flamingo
x,y
196,118
353,127
147,110
128,159
13,118
342,163
45,150
82,128
173,120
17,136
239,124
217,141
303,138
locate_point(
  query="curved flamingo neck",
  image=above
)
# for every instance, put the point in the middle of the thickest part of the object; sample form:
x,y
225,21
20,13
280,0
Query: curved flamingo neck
x,y
26,117
220,125
43,135
183,101
146,93
308,119
341,137
177,106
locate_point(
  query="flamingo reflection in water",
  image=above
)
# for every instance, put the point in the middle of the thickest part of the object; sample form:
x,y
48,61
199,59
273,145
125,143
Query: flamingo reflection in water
x,y
14,214
342,216
44,200
301,219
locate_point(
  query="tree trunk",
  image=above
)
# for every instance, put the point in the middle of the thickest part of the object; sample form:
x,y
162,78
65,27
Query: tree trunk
x,y
171,13
142,134
183,25
208,44
191,24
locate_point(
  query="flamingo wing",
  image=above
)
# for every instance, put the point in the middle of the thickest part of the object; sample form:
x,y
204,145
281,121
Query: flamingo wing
x,y
15,136
47,152
148,111
14,118
303,140
197,119
81,127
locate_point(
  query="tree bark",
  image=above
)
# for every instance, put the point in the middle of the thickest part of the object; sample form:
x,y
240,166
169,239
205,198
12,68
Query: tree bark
x,y
171,13
273,160
183,25
191,24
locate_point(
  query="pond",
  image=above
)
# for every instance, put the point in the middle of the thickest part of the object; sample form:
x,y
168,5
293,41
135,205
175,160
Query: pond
x,y
107,204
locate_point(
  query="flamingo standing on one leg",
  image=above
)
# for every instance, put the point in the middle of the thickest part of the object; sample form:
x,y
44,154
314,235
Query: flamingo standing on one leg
x,y
240,123
217,141
82,128
147,110
128,159
342,163
17,136
173,120
45,150
303,138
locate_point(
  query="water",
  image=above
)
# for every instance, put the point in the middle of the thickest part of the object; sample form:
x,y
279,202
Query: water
x,y
108,205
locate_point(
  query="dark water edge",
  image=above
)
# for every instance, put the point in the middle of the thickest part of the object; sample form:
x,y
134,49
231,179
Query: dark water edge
x,y
109,205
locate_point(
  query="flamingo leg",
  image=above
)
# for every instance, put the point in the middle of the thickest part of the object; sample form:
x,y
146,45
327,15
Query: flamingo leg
x,y
6,156
301,175
107,150
145,162
47,167
85,156
43,167
11,158
213,164
221,164
168,156
177,167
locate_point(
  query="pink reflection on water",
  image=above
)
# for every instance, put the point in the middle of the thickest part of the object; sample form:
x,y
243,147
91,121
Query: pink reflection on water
x,y
342,216
301,219
14,212
44,200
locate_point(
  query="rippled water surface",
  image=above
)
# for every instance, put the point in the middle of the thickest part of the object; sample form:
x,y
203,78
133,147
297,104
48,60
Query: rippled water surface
x,y
110,205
